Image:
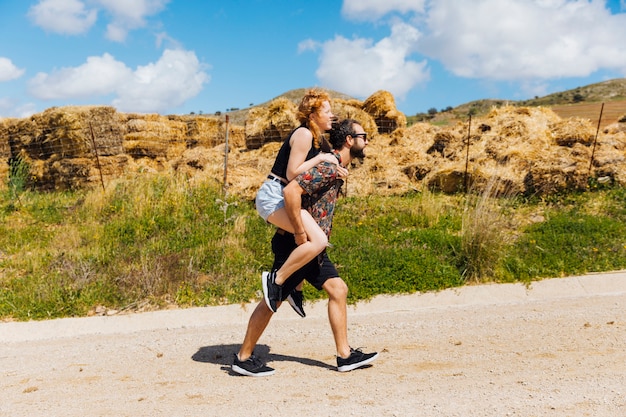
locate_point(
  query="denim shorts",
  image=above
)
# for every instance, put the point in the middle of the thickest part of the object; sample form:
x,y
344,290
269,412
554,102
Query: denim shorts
x,y
269,198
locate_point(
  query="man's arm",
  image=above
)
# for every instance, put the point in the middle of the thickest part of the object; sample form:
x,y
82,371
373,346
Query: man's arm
x,y
293,205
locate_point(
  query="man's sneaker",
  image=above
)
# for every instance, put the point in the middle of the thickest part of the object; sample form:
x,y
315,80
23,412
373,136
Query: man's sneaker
x,y
296,301
251,367
272,292
356,359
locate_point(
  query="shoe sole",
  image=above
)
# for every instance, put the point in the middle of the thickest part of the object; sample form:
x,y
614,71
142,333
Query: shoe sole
x,y
353,366
265,292
293,305
241,371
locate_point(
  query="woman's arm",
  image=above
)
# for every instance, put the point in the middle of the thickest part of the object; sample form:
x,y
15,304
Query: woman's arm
x,y
300,146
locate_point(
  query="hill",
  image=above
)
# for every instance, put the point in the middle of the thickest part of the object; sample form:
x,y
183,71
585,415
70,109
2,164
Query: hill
x,y
584,102
239,117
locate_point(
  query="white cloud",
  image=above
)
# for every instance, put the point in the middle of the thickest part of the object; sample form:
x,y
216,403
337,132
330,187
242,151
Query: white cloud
x,y
11,108
100,75
308,45
128,15
375,9
522,40
156,87
530,41
63,16
8,70
176,77
72,17
360,67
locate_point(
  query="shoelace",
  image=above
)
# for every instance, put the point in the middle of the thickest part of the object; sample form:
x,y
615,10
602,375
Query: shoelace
x,y
255,361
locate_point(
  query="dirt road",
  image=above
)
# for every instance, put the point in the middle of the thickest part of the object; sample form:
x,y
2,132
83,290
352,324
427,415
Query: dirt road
x,y
557,348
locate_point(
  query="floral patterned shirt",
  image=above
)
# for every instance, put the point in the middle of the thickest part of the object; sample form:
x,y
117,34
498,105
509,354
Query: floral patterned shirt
x,y
321,185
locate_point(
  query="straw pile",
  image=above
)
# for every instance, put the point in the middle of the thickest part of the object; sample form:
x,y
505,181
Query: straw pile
x,y
382,107
527,150
271,123
353,109
154,136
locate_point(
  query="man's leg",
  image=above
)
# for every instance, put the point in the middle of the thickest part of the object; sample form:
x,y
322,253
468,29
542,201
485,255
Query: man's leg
x,y
338,313
244,362
347,358
259,320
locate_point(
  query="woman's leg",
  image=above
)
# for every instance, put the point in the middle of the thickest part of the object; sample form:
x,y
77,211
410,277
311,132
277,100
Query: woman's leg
x,y
303,254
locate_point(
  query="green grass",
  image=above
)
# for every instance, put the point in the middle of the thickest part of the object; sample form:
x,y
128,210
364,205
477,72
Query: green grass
x,y
155,240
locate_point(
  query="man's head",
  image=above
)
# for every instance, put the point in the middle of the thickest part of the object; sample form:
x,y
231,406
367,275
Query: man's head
x,y
350,134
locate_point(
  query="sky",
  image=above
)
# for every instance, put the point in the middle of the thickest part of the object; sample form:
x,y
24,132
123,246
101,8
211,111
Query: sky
x,y
183,56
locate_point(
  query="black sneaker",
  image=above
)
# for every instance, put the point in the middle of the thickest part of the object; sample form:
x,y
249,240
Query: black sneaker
x,y
296,301
355,360
251,367
272,292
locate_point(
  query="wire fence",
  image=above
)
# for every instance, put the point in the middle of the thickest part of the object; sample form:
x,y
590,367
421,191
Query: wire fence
x,y
75,153
95,146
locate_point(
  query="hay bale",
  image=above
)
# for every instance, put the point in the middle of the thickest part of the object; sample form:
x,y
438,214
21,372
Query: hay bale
x,y
343,109
153,136
236,136
25,136
205,131
271,123
67,131
5,147
441,141
202,130
555,174
382,107
452,178
573,130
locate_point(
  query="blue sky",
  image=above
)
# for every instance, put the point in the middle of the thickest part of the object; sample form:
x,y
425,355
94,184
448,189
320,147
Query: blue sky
x,y
182,56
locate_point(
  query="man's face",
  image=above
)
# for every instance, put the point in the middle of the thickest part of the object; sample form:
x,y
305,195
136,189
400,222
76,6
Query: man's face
x,y
359,142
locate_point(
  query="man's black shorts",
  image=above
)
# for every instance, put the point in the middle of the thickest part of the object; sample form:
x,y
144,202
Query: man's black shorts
x,y
316,272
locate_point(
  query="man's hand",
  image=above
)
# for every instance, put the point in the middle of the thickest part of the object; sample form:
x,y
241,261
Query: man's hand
x,y
300,238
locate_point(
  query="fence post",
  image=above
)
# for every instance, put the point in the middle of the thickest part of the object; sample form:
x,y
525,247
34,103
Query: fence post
x,y
593,151
226,158
469,129
95,151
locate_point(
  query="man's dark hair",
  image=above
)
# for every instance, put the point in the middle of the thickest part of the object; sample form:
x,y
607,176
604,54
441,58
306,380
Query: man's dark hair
x,y
340,131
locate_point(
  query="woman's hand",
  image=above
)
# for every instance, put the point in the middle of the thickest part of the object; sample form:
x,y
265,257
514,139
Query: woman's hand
x,y
328,157
342,172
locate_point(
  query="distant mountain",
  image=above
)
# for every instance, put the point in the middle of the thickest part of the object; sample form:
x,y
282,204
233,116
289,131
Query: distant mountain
x,y
582,101
239,116
606,91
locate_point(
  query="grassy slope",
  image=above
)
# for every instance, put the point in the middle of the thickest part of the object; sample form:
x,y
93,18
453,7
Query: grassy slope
x,y
582,102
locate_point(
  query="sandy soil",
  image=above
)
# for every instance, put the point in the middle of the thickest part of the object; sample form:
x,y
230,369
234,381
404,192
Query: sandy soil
x,y
557,348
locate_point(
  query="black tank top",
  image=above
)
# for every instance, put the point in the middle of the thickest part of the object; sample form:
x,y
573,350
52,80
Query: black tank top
x,y
282,159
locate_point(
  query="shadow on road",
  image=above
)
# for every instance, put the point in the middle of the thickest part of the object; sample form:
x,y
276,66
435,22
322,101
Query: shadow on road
x,y
223,355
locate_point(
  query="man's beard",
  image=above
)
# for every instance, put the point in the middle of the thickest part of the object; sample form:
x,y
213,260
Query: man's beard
x,y
357,153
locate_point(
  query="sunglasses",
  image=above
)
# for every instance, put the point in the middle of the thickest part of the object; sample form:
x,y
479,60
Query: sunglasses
x,y
356,135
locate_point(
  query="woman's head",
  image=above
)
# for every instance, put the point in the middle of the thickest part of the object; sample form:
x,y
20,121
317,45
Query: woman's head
x,y
315,113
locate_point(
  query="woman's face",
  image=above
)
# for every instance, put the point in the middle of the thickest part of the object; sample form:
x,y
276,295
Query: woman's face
x,y
324,116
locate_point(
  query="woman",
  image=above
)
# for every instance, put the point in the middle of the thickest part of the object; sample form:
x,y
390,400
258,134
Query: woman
x,y
301,151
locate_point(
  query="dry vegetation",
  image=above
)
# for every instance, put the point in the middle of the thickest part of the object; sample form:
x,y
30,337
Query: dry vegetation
x,y
525,149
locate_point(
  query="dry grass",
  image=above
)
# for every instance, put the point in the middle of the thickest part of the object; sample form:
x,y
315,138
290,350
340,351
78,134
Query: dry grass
x,y
528,149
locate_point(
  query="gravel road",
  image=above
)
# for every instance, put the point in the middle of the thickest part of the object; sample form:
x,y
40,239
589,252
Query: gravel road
x,y
556,348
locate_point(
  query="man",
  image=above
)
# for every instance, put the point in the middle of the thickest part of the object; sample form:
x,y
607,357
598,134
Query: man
x,y
316,190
